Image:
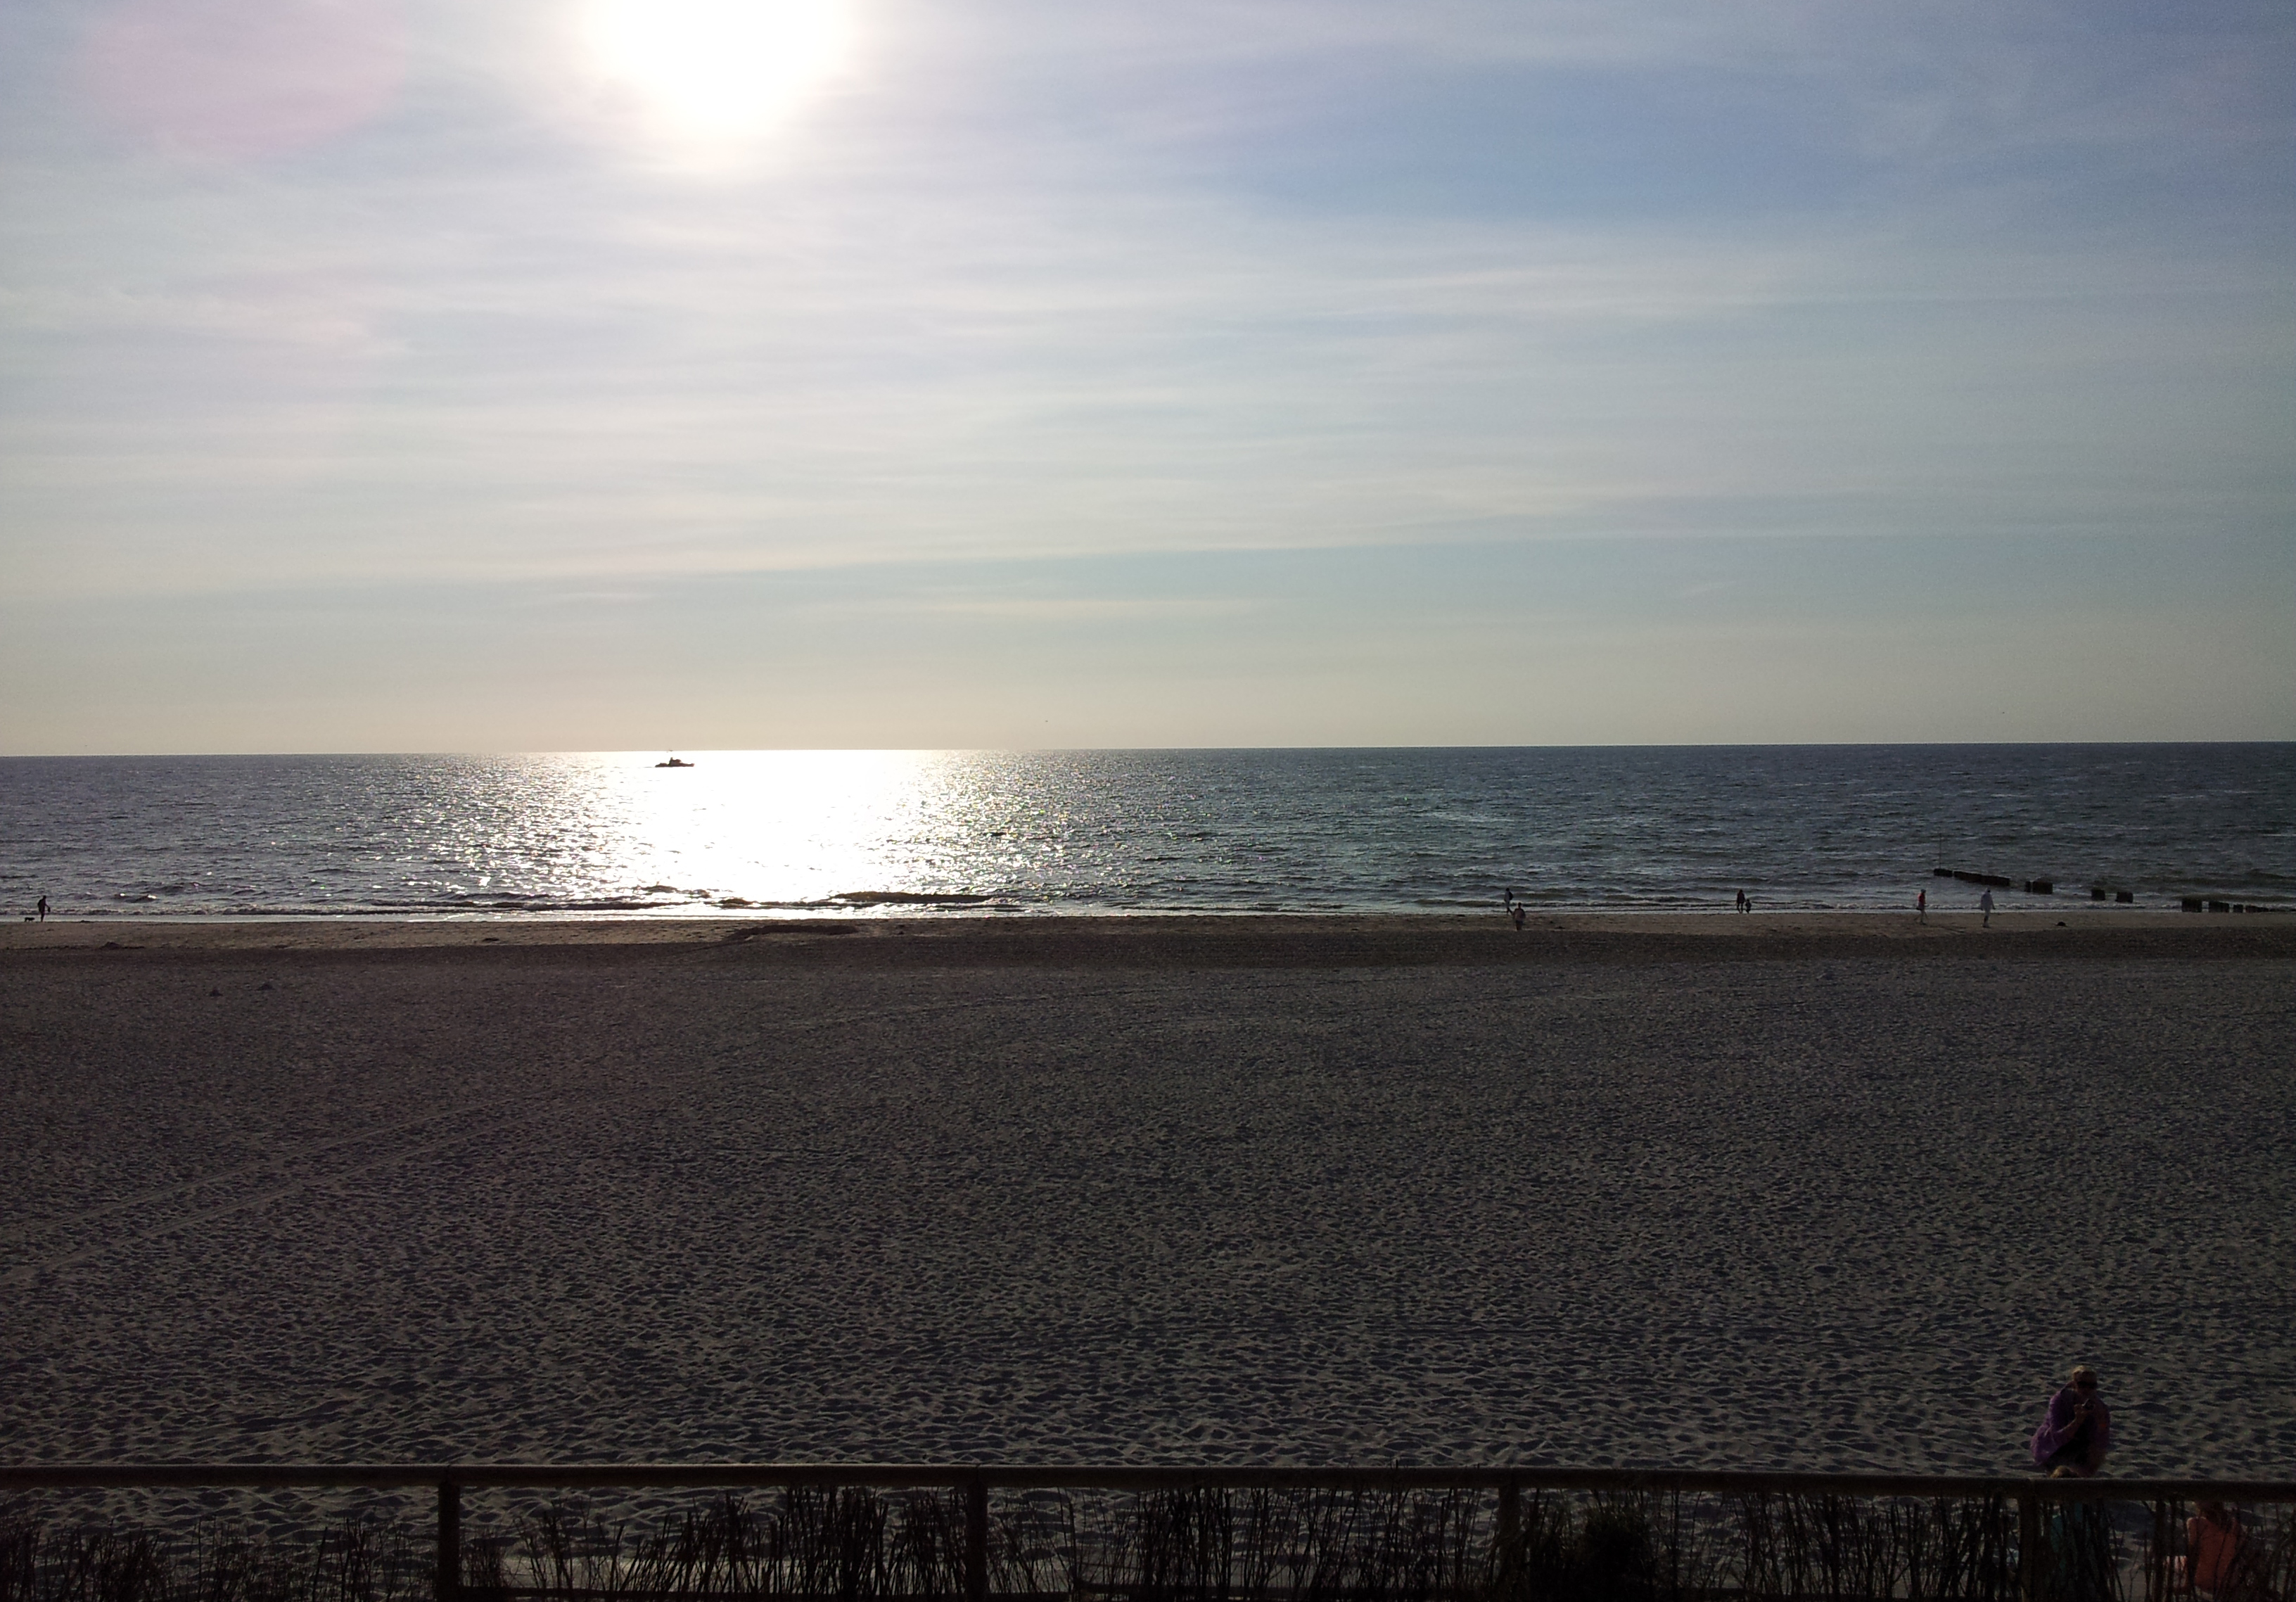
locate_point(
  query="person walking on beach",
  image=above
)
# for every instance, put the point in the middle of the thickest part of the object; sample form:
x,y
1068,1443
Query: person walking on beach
x,y
1921,907
1985,906
2077,1431
1742,902
1515,911
43,909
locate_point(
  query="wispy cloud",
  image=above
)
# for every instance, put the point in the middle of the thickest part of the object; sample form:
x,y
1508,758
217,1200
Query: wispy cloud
x,y
1046,609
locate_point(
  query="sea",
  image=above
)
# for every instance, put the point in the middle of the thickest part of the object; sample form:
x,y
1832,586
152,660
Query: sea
x,y
861,834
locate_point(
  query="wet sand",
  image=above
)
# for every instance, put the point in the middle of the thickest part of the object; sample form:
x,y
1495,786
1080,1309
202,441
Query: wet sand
x,y
1790,1190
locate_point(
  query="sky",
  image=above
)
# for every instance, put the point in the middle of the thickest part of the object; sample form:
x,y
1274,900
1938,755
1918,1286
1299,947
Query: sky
x,y
582,375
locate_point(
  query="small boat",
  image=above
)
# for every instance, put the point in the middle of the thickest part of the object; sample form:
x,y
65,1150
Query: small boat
x,y
673,763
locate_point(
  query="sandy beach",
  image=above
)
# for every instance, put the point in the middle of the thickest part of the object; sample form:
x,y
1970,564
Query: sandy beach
x,y
1822,1191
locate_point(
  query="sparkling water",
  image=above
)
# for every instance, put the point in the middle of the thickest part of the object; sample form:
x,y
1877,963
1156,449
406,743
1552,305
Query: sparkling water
x,y
847,834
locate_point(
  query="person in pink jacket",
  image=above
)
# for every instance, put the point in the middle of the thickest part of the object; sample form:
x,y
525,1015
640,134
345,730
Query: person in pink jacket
x,y
2074,1438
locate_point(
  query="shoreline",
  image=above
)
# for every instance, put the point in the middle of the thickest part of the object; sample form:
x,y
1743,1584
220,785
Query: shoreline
x,y
1282,939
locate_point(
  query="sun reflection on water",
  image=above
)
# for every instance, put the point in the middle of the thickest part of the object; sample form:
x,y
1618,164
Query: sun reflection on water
x,y
779,827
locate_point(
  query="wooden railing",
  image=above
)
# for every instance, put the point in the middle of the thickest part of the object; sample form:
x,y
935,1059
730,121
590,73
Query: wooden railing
x,y
975,1481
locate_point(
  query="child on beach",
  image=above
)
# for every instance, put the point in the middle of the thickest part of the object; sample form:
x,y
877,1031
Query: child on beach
x,y
2077,1432
2211,1547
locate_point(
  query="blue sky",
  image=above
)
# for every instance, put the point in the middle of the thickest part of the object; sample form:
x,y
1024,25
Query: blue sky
x,y
386,375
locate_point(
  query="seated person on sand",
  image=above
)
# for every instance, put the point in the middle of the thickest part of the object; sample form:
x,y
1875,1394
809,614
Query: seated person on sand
x,y
2211,1550
2074,1438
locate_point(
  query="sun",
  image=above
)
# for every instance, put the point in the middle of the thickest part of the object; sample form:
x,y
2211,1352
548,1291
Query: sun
x,y
716,69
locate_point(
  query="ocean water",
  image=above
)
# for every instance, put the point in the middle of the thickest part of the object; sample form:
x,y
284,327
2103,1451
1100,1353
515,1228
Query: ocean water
x,y
855,833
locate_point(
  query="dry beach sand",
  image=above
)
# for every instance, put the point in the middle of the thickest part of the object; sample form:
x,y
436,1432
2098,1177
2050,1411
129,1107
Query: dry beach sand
x,y
1798,1191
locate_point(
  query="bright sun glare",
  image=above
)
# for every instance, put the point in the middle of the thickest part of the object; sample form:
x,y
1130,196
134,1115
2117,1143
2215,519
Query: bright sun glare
x,y
717,69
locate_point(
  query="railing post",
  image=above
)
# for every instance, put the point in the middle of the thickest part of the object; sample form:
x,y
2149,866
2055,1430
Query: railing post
x,y
2028,1546
2156,1566
449,1579
976,1537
